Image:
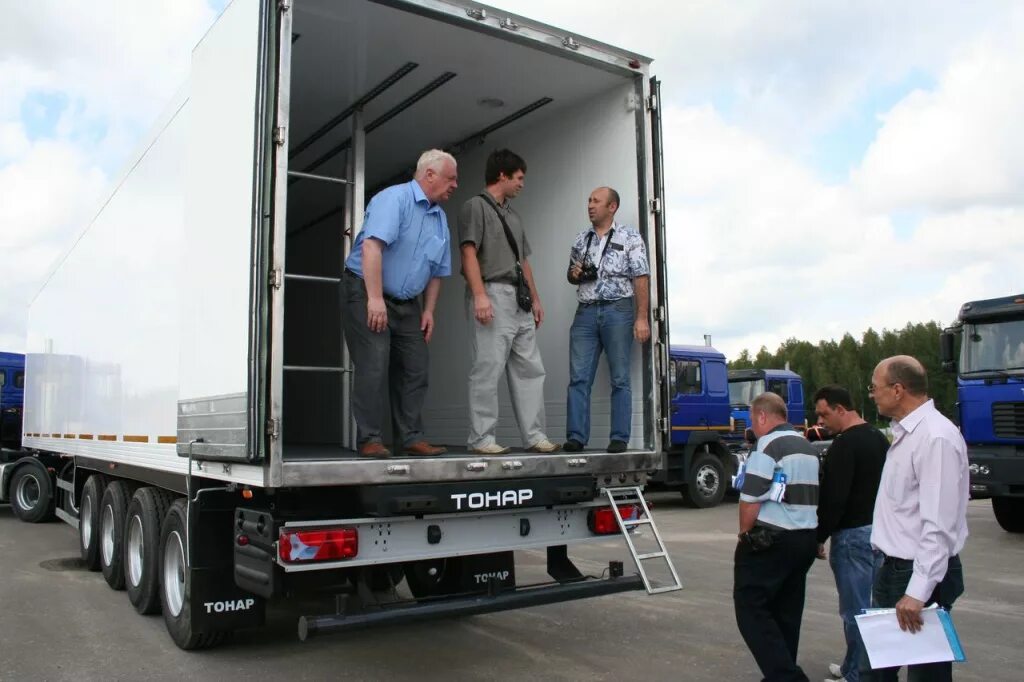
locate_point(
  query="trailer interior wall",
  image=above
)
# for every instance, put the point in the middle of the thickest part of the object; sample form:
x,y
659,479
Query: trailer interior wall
x,y
578,128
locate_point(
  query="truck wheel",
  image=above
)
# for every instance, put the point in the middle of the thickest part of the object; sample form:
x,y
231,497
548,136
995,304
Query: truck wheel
x,y
433,577
89,521
112,516
705,484
176,580
141,561
1009,513
32,494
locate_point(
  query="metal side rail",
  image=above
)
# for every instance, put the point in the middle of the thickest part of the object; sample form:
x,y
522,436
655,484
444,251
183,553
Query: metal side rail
x,y
633,495
520,597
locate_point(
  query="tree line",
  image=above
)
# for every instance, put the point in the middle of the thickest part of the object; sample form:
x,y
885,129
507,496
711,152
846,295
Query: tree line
x,y
849,363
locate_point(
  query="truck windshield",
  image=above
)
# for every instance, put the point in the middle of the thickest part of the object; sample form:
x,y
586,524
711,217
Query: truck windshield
x,y
993,346
744,392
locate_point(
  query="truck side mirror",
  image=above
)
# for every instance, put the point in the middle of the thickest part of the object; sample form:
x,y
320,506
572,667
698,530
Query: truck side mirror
x,y
946,341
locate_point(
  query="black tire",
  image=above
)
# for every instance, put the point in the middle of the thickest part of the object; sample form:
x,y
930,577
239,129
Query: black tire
x,y
434,577
176,582
141,546
1009,513
112,518
32,494
89,521
705,482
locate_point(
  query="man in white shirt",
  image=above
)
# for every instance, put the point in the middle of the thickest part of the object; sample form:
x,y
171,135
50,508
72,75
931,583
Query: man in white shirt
x,y
920,519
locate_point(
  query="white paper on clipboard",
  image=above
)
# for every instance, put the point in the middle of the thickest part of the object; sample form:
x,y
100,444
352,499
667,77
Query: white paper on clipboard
x,y
888,646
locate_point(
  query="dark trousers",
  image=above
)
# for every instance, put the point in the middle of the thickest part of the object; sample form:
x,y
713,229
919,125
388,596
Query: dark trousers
x,y
398,355
890,585
768,593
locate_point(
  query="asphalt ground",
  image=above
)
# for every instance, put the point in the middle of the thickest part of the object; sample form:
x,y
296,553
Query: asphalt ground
x,y
60,622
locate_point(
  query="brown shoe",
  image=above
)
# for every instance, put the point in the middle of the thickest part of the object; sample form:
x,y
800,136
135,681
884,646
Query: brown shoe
x,y
374,449
424,449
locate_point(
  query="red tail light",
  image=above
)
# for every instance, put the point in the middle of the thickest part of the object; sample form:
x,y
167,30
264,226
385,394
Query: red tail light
x,y
601,521
318,545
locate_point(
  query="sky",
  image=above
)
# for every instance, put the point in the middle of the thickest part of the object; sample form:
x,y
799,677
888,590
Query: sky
x,y
830,166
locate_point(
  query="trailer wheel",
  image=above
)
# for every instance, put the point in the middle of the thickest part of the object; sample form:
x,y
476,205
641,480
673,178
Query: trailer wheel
x,y
112,517
705,483
1009,513
32,494
175,582
141,561
89,521
433,577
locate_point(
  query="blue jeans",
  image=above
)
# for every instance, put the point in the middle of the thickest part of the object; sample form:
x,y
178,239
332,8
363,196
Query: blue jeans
x,y
854,564
890,585
606,326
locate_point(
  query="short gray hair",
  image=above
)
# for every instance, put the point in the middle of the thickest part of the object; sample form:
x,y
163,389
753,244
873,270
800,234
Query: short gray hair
x,y
433,158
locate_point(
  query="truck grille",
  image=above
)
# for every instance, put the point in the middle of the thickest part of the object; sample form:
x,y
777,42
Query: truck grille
x,y
1008,420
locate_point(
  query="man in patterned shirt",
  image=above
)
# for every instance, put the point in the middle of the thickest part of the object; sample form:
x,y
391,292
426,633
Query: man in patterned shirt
x,y
608,262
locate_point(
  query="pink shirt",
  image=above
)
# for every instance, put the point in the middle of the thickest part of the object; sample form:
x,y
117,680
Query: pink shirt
x,y
921,508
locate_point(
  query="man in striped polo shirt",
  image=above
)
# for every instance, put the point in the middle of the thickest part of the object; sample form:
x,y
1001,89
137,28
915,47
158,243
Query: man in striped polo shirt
x,y
778,517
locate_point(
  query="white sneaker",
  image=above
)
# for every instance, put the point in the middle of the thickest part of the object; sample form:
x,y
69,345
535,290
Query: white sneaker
x,y
834,679
544,445
835,670
490,449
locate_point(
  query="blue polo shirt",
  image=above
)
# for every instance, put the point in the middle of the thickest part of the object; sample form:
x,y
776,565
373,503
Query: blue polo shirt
x,y
415,234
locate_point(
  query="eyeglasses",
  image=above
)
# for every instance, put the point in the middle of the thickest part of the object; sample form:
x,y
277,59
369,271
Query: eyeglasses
x,y
872,388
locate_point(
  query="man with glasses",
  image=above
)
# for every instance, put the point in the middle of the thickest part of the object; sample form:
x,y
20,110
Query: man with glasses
x,y
849,485
920,517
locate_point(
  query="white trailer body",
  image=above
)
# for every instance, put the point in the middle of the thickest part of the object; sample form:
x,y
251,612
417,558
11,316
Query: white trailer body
x,y
190,338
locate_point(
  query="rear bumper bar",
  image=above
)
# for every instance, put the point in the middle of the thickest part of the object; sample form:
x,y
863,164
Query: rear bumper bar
x,y
408,612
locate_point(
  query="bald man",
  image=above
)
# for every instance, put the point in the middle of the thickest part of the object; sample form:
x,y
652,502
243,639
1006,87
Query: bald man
x,y
920,517
778,543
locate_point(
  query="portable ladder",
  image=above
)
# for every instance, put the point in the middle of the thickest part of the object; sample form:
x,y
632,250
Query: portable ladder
x,y
633,495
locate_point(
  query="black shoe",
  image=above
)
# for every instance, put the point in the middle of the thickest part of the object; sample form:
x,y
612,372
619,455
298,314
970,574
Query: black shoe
x,y
617,446
572,445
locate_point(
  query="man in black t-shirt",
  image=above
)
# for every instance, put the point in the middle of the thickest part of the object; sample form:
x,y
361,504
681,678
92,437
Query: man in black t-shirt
x,y
853,468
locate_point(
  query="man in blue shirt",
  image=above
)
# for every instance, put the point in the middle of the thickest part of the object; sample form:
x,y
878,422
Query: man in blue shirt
x,y
778,517
401,252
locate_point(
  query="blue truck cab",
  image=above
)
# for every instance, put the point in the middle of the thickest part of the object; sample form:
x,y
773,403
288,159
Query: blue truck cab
x,y
747,384
697,463
12,395
990,400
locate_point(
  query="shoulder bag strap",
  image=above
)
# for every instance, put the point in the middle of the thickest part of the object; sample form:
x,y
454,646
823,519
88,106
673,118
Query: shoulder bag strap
x,y
508,232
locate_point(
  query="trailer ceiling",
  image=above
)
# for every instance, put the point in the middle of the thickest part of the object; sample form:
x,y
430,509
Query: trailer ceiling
x,y
440,82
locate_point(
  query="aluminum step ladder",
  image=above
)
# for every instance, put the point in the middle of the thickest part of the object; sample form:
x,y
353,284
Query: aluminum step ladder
x,y
634,495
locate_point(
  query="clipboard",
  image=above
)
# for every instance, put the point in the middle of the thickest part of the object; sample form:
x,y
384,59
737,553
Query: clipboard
x,y
888,646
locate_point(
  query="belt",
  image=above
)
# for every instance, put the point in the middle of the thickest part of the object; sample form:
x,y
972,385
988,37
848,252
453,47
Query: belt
x,y
392,299
590,303
900,562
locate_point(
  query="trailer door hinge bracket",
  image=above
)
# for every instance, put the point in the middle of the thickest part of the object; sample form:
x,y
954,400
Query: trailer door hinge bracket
x,y
276,278
662,424
659,313
656,205
279,133
273,428
652,103
284,5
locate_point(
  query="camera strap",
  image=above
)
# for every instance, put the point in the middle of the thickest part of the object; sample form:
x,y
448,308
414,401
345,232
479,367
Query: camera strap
x,y
590,240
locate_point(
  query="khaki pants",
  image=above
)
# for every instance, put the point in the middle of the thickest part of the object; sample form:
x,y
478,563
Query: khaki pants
x,y
508,345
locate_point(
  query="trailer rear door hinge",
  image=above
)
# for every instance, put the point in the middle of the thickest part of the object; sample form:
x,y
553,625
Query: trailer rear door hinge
x,y
284,5
659,313
652,103
276,278
656,205
279,132
662,424
273,428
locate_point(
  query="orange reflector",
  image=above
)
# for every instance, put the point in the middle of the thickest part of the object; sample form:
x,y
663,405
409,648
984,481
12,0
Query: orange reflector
x,y
247,494
601,521
318,545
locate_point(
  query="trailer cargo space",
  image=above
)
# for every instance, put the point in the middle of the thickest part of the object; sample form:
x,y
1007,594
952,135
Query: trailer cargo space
x,y
408,83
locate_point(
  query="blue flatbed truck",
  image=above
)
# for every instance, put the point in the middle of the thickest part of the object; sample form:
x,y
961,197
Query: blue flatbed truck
x,y
697,462
990,400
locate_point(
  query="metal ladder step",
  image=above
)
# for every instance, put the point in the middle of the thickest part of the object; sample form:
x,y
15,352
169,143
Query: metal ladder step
x,y
634,495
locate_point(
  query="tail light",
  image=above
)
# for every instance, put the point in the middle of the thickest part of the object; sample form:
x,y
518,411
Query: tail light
x,y
318,545
601,520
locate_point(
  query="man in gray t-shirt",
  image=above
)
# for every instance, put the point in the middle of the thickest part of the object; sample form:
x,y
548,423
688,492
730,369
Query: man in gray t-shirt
x,y
503,336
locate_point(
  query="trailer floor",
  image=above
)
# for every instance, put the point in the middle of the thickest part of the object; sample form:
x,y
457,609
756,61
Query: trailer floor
x,y
315,453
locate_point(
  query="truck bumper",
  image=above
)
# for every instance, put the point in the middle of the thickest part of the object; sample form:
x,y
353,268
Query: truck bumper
x,y
310,626
996,471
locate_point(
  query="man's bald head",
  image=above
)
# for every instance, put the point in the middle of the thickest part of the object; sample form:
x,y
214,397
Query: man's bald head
x,y
767,411
906,371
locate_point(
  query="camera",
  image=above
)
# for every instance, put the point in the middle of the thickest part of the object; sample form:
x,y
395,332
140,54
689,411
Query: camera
x,y
588,272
